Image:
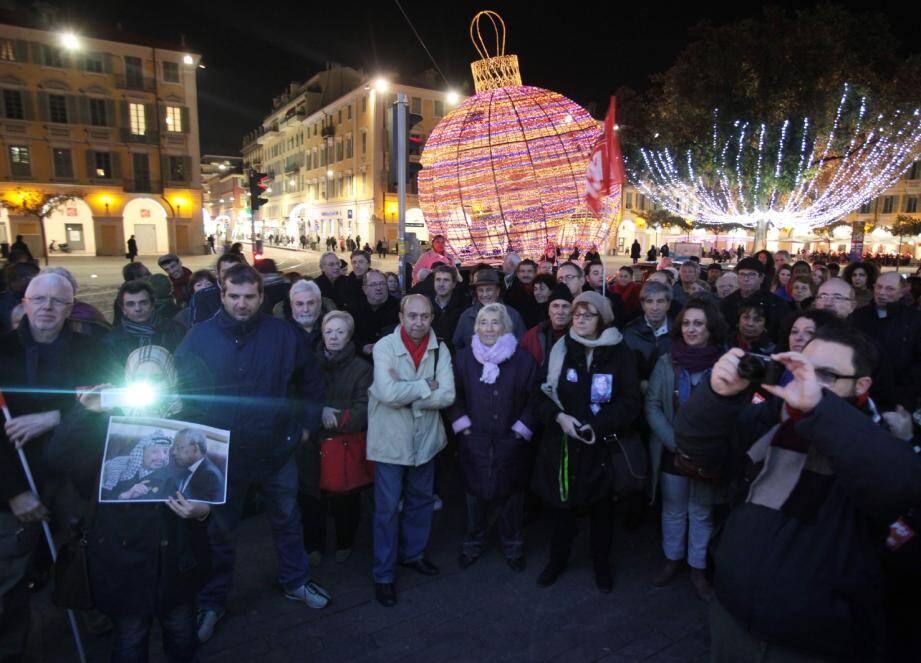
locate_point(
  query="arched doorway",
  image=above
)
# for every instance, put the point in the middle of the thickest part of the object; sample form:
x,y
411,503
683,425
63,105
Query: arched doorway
x,y
72,223
145,218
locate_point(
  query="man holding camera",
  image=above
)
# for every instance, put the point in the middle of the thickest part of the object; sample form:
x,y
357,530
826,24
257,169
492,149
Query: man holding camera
x,y
818,476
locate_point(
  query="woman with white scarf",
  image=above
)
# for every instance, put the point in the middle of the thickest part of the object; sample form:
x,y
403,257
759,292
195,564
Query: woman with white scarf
x,y
591,392
493,380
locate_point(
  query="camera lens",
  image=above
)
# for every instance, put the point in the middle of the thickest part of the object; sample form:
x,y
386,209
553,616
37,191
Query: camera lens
x,y
752,368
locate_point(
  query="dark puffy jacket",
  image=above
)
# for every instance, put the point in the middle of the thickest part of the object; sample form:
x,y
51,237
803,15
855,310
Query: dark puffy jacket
x,y
373,324
36,378
522,301
255,378
142,558
203,305
899,334
446,318
645,345
590,473
494,462
807,575
338,291
348,378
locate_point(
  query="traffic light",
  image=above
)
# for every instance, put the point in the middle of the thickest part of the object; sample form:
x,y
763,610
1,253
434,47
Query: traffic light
x,y
414,146
258,183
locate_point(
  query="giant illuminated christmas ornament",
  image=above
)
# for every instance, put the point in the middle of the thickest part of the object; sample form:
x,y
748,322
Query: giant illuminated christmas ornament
x,y
785,178
506,169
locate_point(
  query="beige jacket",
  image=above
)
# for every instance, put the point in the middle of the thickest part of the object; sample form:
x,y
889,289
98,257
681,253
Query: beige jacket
x,y
404,426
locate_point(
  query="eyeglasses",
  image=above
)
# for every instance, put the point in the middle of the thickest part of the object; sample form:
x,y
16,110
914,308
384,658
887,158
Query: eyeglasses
x,y
379,284
748,275
829,377
44,301
825,297
584,316
567,278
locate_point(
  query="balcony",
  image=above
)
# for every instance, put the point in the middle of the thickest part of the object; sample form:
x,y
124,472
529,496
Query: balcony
x,y
142,83
149,138
142,185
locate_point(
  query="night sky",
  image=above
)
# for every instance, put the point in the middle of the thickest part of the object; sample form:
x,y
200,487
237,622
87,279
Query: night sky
x,y
585,50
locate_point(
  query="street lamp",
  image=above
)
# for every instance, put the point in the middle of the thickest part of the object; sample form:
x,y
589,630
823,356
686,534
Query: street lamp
x,y
187,59
381,84
69,41
453,97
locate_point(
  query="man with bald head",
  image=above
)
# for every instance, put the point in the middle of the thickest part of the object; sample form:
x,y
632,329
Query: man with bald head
x,y
42,362
413,380
898,329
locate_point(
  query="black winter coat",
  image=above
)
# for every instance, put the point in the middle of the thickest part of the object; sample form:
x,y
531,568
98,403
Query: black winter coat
x,y
494,462
899,333
807,575
142,558
348,378
590,473
522,301
37,378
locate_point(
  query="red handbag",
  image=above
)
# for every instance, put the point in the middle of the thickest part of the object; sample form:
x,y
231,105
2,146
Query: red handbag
x,y
343,463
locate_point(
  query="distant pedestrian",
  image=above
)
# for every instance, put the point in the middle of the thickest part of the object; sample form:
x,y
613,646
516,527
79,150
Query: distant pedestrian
x,y
211,244
132,249
635,251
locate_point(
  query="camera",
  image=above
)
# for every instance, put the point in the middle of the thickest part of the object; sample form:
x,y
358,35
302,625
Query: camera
x,y
760,369
137,395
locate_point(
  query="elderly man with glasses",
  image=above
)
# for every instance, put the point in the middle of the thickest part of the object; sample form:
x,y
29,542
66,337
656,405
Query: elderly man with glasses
x,y
376,315
43,363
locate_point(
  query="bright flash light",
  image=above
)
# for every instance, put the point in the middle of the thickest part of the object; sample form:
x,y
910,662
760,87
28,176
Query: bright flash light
x,y
187,59
69,41
453,97
140,394
329,173
381,84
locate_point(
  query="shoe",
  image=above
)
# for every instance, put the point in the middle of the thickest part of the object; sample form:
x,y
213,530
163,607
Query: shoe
x,y
385,593
550,573
315,558
603,580
465,561
670,569
517,564
343,555
423,566
310,594
207,621
437,505
701,585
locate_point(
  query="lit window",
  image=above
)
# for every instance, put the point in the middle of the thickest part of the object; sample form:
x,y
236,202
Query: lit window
x,y
7,50
20,160
138,119
174,119
103,165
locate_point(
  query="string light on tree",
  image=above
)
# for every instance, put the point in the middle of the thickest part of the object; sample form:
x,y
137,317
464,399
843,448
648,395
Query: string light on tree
x,y
506,168
749,179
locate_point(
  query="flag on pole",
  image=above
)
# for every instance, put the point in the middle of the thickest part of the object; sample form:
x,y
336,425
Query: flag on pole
x,y
605,172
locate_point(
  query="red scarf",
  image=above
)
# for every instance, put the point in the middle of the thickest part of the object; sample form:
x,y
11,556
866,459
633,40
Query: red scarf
x,y
417,352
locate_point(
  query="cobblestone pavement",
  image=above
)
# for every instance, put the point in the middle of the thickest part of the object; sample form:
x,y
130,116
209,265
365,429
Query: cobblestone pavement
x,y
484,613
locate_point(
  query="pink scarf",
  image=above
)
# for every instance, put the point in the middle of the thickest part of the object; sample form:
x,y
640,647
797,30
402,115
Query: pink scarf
x,y
493,355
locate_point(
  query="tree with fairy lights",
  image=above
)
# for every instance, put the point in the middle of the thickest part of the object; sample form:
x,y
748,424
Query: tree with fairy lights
x,y
792,175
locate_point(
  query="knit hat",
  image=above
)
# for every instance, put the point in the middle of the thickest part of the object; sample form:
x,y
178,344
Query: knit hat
x,y
167,257
751,263
561,291
601,303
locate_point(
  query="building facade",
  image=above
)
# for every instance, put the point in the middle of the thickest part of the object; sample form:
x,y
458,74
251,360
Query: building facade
x,y
224,199
112,122
326,150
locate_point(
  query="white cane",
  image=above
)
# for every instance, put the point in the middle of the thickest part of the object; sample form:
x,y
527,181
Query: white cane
x,y
47,530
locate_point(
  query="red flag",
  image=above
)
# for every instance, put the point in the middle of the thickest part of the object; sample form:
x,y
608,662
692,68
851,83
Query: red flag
x,y
605,170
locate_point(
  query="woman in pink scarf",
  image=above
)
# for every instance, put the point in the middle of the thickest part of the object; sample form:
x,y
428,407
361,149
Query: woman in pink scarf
x,y
493,380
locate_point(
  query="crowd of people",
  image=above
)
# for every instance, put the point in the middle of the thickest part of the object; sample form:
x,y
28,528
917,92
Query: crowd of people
x,y
768,414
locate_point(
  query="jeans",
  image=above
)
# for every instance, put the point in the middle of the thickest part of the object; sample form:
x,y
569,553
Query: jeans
x,y
131,633
511,525
406,532
601,526
684,518
279,491
346,512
